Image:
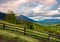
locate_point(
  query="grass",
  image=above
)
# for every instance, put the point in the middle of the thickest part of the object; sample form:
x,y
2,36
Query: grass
x,y
21,38
12,37
34,34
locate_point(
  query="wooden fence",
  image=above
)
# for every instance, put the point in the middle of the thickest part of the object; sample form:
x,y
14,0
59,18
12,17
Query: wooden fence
x,y
13,27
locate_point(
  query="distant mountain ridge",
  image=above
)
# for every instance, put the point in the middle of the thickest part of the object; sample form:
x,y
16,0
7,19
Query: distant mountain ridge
x,y
2,16
49,21
42,22
25,18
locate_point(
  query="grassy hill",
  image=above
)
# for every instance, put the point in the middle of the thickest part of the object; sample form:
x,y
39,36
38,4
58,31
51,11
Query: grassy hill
x,y
14,32
12,37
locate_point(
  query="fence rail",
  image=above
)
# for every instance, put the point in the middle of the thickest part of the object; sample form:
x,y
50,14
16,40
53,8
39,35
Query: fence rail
x,y
25,31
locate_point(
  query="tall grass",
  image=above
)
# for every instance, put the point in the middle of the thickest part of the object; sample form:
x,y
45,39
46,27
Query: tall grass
x,y
11,37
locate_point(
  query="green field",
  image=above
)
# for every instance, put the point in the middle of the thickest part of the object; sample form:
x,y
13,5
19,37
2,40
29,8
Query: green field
x,y
12,37
15,33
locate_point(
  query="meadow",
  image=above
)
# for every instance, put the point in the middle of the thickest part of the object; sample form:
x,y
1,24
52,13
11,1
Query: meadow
x,y
15,33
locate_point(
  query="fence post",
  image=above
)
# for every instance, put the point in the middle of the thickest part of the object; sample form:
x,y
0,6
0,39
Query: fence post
x,y
58,35
4,26
24,30
49,35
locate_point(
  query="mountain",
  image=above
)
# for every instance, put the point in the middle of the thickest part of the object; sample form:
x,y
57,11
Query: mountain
x,y
2,16
49,21
25,18
40,22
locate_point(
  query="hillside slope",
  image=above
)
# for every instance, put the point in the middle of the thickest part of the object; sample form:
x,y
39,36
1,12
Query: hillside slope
x,y
12,37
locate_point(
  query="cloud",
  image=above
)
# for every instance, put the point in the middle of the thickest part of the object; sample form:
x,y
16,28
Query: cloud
x,y
52,12
49,18
58,9
40,7
37,9
39,18
31,7
11,4
48,2
40,10
44,2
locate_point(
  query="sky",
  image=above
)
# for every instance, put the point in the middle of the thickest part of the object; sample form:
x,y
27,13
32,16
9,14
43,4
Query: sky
x,y
34,9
